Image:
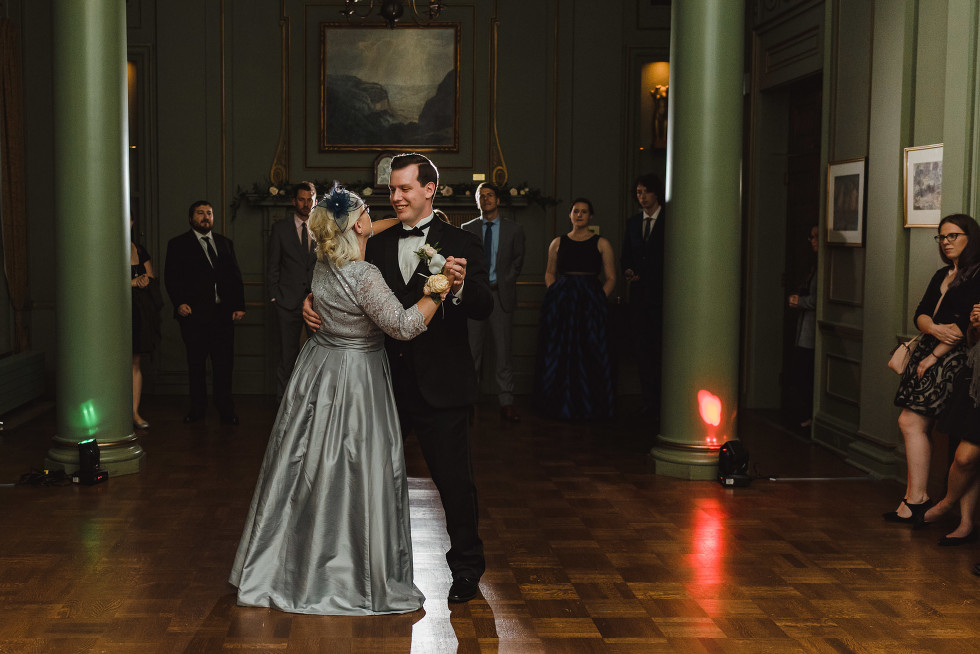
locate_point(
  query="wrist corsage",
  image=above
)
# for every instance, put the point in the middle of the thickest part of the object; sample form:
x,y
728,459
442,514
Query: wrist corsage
x,y
436,286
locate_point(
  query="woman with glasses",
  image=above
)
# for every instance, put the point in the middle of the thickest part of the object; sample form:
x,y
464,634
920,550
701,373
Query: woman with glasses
x,y
942,317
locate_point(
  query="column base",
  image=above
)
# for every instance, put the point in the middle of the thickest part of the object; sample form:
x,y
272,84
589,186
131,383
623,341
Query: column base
x,y
118,458
692,462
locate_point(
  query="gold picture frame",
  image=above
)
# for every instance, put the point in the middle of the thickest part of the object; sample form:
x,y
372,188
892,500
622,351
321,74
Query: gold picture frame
x,y
383,89
923,184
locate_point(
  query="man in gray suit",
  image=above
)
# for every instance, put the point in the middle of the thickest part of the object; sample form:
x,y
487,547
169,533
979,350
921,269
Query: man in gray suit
x,y
289,272
503,250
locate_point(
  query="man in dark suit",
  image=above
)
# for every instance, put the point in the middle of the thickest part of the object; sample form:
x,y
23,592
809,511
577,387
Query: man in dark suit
x,y
503,253
433,375
289,273
205,287
643,268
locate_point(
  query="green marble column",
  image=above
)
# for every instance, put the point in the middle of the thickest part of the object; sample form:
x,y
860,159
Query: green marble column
x,y
91,234
702,291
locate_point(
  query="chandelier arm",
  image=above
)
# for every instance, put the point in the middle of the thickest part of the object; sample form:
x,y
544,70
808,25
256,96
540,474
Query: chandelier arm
x,y
350,9
431,14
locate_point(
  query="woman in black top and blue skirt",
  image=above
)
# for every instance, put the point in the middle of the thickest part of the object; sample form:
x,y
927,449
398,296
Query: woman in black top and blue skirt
x,y
573,379
943,317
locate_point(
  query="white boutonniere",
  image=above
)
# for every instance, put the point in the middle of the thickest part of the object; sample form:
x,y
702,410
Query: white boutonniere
x,y
429,255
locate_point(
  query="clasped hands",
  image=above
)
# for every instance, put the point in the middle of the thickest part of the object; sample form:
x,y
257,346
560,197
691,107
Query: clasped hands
x,y
185,310
141,281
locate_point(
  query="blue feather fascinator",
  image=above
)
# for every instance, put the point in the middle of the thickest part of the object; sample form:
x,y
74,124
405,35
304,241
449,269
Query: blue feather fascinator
x,y
340,203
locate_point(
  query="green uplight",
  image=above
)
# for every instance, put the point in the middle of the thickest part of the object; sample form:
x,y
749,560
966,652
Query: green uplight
x,y
90,417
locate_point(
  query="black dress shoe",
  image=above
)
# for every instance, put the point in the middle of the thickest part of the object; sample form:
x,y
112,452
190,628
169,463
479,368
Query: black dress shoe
x,y
463,589
229,420
193,416
949,541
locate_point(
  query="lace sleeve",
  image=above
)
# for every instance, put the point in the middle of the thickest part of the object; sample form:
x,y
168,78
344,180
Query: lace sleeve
x,y
384,309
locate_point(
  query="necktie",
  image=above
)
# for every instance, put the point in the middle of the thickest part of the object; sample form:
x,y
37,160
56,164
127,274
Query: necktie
x,y
647,226
488,245
415,231
212,255
304,239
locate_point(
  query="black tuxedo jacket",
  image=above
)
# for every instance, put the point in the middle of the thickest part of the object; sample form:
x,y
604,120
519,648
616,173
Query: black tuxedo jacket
x,y
646,259
443,351
289,269
191,280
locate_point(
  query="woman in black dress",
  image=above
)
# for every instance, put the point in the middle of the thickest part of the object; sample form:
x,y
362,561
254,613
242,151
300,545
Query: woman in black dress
x,y
146,318
961,421
574,372
943,317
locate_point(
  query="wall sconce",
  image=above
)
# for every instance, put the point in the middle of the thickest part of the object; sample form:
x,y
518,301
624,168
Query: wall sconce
x,y
659,127
655,78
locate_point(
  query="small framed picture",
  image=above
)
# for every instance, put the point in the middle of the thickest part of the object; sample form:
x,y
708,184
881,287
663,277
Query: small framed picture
x,y
845,203
382,171
923,185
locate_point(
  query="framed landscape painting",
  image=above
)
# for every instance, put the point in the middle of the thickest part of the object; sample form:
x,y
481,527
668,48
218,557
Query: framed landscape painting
x,y
383,89
845,203
923,185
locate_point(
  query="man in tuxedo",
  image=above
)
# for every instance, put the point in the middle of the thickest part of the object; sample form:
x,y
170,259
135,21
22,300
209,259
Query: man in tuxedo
x,y
643,268
205,287
503,255
433,375
289,273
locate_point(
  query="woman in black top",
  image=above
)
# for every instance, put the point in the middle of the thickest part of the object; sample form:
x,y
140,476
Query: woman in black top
x,y
943,317
573,379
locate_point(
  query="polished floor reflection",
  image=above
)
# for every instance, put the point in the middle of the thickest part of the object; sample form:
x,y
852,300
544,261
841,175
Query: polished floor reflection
x,y
588,551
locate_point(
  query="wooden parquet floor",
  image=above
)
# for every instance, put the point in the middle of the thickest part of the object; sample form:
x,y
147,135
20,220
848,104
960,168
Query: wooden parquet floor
x,y
588,551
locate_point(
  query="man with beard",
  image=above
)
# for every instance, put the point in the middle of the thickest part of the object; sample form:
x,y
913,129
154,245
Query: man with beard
x,y
205,286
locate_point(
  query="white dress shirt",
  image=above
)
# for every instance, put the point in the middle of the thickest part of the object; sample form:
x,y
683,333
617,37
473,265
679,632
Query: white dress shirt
x,y
408,260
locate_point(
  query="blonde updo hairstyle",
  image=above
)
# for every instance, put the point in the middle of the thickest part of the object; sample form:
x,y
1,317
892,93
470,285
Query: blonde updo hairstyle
x,y
335,240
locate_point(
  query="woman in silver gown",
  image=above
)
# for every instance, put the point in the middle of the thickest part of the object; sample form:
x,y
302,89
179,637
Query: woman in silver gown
x,y
328,530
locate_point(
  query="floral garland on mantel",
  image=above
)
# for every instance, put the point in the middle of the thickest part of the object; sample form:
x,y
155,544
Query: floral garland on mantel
x,y
257,194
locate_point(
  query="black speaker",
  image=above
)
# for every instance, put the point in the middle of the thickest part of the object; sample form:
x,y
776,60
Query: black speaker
x,y
733,464
88,455
88,464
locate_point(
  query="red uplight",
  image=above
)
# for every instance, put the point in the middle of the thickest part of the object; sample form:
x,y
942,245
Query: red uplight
x,y
710,407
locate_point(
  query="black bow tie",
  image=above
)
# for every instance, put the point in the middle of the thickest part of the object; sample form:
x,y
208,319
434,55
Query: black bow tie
x,y
418,230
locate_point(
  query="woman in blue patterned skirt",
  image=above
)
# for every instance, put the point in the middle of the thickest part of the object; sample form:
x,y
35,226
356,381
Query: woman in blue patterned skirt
x,y
573,379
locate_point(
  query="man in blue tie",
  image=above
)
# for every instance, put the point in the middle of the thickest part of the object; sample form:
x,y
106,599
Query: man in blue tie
x,y
503,252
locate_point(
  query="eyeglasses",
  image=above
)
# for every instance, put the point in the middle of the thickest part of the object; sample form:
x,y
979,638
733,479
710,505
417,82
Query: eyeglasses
x,y
951,237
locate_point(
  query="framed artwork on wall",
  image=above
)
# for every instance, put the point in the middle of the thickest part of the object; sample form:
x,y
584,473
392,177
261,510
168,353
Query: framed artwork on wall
x,y
845,202
923,185
383,89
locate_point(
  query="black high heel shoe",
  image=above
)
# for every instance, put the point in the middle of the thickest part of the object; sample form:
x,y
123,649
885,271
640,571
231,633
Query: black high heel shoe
x,y
919,513
916,519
